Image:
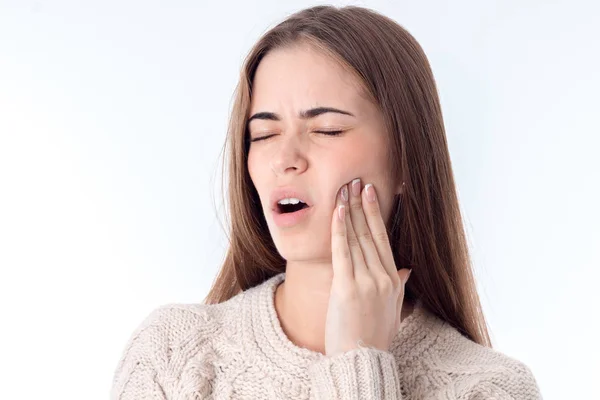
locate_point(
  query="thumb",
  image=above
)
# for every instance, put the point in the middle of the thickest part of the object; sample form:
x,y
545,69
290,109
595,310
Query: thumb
x,y
404,274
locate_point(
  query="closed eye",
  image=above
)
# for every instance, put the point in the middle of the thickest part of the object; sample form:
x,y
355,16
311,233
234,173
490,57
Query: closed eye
x,y
260,138
330,133
327,133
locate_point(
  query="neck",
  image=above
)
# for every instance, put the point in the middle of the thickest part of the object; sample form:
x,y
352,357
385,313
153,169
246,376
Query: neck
x,y
301,303
302,300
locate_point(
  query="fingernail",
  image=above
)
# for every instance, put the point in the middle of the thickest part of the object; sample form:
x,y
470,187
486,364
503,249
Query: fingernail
x,y
345,193
356,187
408,276
370,192
341,212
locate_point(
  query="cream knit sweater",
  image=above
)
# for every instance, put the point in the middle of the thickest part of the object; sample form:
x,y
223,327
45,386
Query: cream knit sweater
x,y
237,350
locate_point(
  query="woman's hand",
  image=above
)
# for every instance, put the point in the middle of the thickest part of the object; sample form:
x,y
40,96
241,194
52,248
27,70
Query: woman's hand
x,y
367,291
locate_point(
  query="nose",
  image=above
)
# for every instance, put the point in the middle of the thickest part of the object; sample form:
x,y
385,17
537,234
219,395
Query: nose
x,y
289,157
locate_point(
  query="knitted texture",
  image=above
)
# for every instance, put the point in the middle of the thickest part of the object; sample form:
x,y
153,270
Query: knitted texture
x,y
238,350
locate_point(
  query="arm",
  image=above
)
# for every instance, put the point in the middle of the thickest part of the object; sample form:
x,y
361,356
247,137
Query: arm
x,y
364,373
369,373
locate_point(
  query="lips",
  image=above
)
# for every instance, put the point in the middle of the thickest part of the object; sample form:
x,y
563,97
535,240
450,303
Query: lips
x,y
288,192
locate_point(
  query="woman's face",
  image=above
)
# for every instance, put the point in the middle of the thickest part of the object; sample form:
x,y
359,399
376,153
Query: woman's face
x,y
297,157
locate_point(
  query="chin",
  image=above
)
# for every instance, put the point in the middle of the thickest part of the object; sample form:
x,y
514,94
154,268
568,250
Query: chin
x,y
295,248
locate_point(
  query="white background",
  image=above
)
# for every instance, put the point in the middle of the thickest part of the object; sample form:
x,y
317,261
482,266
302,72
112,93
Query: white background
x,y
112,120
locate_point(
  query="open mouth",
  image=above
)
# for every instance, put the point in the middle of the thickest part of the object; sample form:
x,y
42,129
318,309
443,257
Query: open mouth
x,y
290,207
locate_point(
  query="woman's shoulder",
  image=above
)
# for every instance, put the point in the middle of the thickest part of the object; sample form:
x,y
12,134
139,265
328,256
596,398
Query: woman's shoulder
x,y
168,322
183,317
480,370
166,338
173,322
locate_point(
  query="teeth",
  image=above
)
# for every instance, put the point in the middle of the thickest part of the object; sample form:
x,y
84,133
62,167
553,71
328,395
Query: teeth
x,y
291,200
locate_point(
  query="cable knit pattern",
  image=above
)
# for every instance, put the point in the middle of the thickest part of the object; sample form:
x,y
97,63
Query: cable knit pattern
x,y
238,350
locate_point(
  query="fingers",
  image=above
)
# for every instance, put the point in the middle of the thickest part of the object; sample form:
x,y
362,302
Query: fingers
x,y
378,231
362,230
360,243
356,254
340,251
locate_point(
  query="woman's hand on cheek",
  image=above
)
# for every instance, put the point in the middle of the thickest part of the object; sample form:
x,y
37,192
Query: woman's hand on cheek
x,y
367,291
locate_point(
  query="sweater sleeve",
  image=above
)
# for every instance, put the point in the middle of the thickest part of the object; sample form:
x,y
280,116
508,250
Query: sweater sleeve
x,y
137,373
363,373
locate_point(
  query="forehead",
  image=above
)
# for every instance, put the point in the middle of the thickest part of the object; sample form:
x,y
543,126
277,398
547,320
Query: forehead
x,y
300,77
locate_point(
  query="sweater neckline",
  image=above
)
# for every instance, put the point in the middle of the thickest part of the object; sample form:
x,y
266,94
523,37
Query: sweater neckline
x,y
417,332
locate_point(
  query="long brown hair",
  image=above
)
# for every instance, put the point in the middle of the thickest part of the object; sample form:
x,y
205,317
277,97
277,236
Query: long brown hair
x,y
425,228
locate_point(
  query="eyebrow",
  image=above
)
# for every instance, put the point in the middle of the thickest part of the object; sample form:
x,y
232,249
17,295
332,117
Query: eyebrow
x,y
307,114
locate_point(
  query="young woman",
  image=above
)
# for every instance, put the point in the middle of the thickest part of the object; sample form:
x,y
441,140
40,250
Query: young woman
x,y
340,185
